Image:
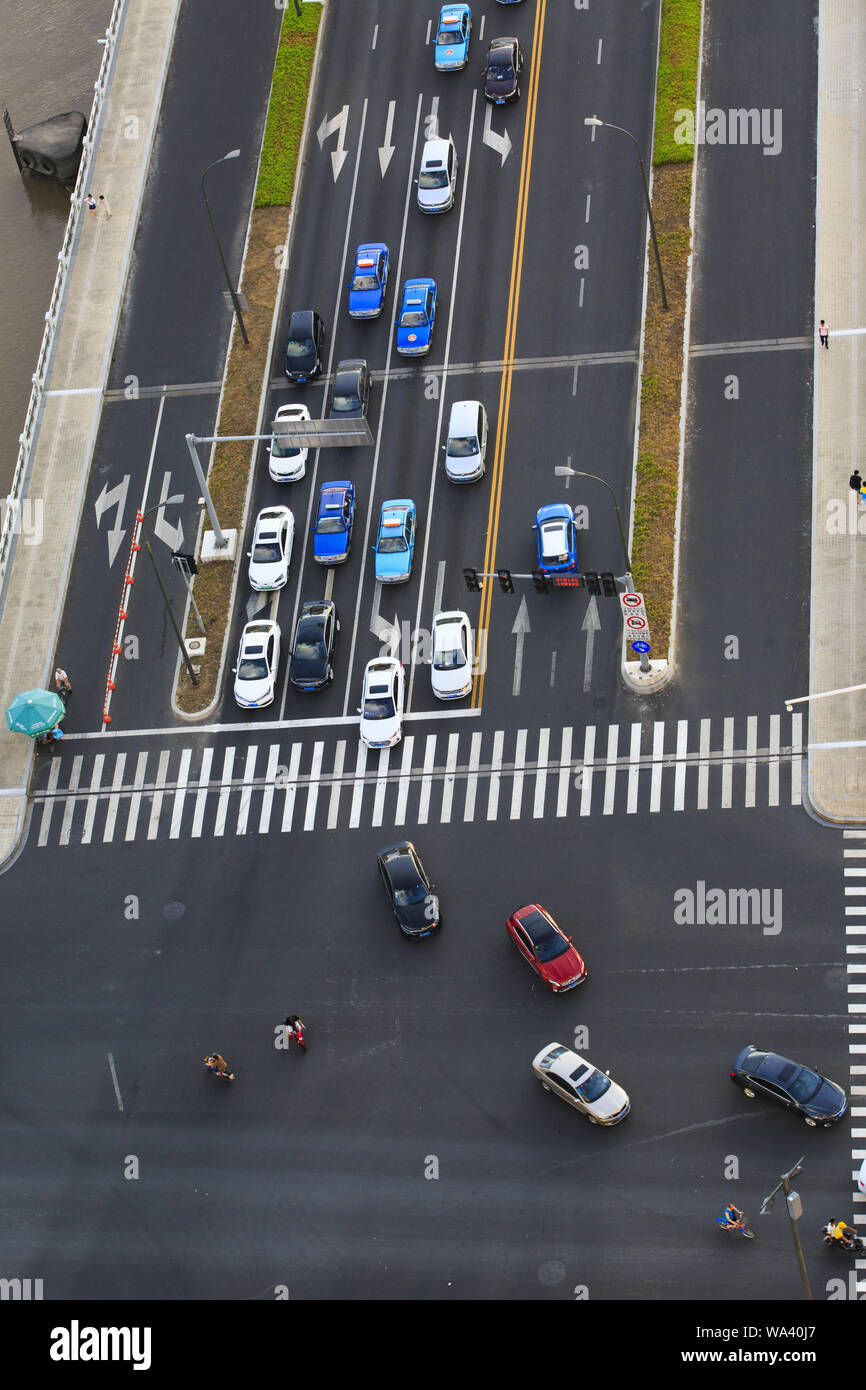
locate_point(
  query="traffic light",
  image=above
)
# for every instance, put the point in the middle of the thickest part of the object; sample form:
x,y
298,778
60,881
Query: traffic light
x,y
473,583
506,583
539,579
591,582
608,585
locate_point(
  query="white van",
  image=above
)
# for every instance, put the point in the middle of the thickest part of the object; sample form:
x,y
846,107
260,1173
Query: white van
x,y
467,442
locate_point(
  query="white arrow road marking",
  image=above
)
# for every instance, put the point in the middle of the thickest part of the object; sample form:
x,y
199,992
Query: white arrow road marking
x,y
591,625
384,632
116,497
386,149
440,585
500,143
339,155
520,628
172,536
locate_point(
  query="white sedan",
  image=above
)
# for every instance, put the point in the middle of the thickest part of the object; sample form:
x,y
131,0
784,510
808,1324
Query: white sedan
x,y
287,463
382,701
258,659
271,554
577,1081
453,652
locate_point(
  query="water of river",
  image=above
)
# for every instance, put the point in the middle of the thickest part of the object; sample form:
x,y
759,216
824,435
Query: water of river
x,y
49,62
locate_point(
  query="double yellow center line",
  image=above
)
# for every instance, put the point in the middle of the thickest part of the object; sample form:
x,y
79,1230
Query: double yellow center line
x,y
508,351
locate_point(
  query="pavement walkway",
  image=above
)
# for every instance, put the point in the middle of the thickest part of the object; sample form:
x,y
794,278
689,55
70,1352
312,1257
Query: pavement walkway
x,y
837,725
61,457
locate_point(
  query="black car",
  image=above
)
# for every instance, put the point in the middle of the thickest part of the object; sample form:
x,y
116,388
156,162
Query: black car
x,y
304,348
311,662
410,892
766,1074
502,70
350,393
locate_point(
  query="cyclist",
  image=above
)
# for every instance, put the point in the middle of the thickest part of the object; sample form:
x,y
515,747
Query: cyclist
x,y
734,1218
62,683
842,1234
295,1029
219,1066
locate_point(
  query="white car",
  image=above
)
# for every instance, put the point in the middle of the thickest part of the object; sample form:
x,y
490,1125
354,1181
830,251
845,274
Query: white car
x,y
466,444
589,1090
382,701
437,177
271,554
861,1177
286,462
451,663
258,658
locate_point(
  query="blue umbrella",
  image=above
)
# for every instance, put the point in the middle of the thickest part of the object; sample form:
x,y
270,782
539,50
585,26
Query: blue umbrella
x,y
35,712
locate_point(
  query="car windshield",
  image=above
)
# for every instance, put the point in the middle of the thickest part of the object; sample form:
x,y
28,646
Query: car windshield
x,y
805,1085
379,707
462,446
413,318
433,178
253,668
330,526
279,450
451,660
594,1086
501,69
392,545
300,347
548,943
267,553
365,282
449,35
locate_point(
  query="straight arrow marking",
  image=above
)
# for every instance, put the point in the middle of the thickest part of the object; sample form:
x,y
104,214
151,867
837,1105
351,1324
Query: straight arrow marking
x,y
520,628
591,625
386,149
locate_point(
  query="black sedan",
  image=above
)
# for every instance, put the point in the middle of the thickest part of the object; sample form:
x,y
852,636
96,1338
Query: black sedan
x,y
410,892
766,1074
311,664
304,348
350,393
502,70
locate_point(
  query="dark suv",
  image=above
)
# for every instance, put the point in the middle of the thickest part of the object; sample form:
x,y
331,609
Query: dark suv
x,y
304,349
311,661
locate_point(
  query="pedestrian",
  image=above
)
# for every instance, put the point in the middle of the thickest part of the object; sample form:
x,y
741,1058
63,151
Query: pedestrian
x,y
855,482
106,206
91,205
295,1029
824,335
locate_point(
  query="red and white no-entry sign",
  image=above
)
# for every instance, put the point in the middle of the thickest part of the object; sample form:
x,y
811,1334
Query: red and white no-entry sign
x,y
634,617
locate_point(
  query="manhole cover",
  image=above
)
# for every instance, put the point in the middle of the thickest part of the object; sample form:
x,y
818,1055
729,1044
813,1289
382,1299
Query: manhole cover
x,y
172,911
553,1272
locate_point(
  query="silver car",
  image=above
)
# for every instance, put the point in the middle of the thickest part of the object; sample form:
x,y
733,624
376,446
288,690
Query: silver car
x,y
437,178
577,1081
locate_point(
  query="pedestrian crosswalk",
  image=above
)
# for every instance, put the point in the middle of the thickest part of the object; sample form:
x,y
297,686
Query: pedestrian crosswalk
x,y
854,874
330,783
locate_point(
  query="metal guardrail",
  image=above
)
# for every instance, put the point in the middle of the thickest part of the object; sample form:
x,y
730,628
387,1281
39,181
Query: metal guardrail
x,y
11,511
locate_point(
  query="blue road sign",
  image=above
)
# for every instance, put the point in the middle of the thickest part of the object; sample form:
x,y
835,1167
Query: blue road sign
x,y
641,646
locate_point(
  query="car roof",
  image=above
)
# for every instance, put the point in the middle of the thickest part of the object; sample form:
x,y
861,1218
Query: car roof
x,y
436,149
301,322
463,414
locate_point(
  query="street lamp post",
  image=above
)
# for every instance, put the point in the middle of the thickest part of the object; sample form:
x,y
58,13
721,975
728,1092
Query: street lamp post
x,y
596,121
563,470
232,154
168,501
794,1208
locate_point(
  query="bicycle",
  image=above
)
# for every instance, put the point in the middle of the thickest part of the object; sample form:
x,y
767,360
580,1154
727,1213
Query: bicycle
x,y
295,1029
219,1066
745,1231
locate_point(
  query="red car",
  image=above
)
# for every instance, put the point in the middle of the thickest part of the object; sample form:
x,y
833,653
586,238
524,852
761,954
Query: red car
x,y
548,950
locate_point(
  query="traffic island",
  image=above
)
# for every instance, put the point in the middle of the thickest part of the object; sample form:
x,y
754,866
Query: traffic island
x,y
245,383
658,466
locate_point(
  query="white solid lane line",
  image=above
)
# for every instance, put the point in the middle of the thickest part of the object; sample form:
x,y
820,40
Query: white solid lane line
x,y
680,773
336,785
201,794
291,787
225,791
93,799
135,799
704,766
246,790
633,771
381,786
727,765
382,415
403,785
313,788
434,472
658,753
495,765
517,779
427,779
472,779
268,793
114,799
586,780
541,776
158,792
180,794
610,770
448,785
358,788
564,772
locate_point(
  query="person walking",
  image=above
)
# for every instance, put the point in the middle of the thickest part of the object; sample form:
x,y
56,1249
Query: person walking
x,y
92,205
105,205
824,335
295,1029
219,1066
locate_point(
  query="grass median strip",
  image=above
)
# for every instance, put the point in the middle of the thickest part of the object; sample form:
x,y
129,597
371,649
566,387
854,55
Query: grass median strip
x,y
657,481
247,367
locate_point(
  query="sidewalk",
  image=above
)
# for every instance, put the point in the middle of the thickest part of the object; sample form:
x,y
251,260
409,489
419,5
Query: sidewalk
x,y
61,456
837,726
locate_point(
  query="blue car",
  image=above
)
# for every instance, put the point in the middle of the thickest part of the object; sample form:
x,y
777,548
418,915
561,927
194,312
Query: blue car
x,y
332,533
417,317
556,539
451,47
369,281
395,543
